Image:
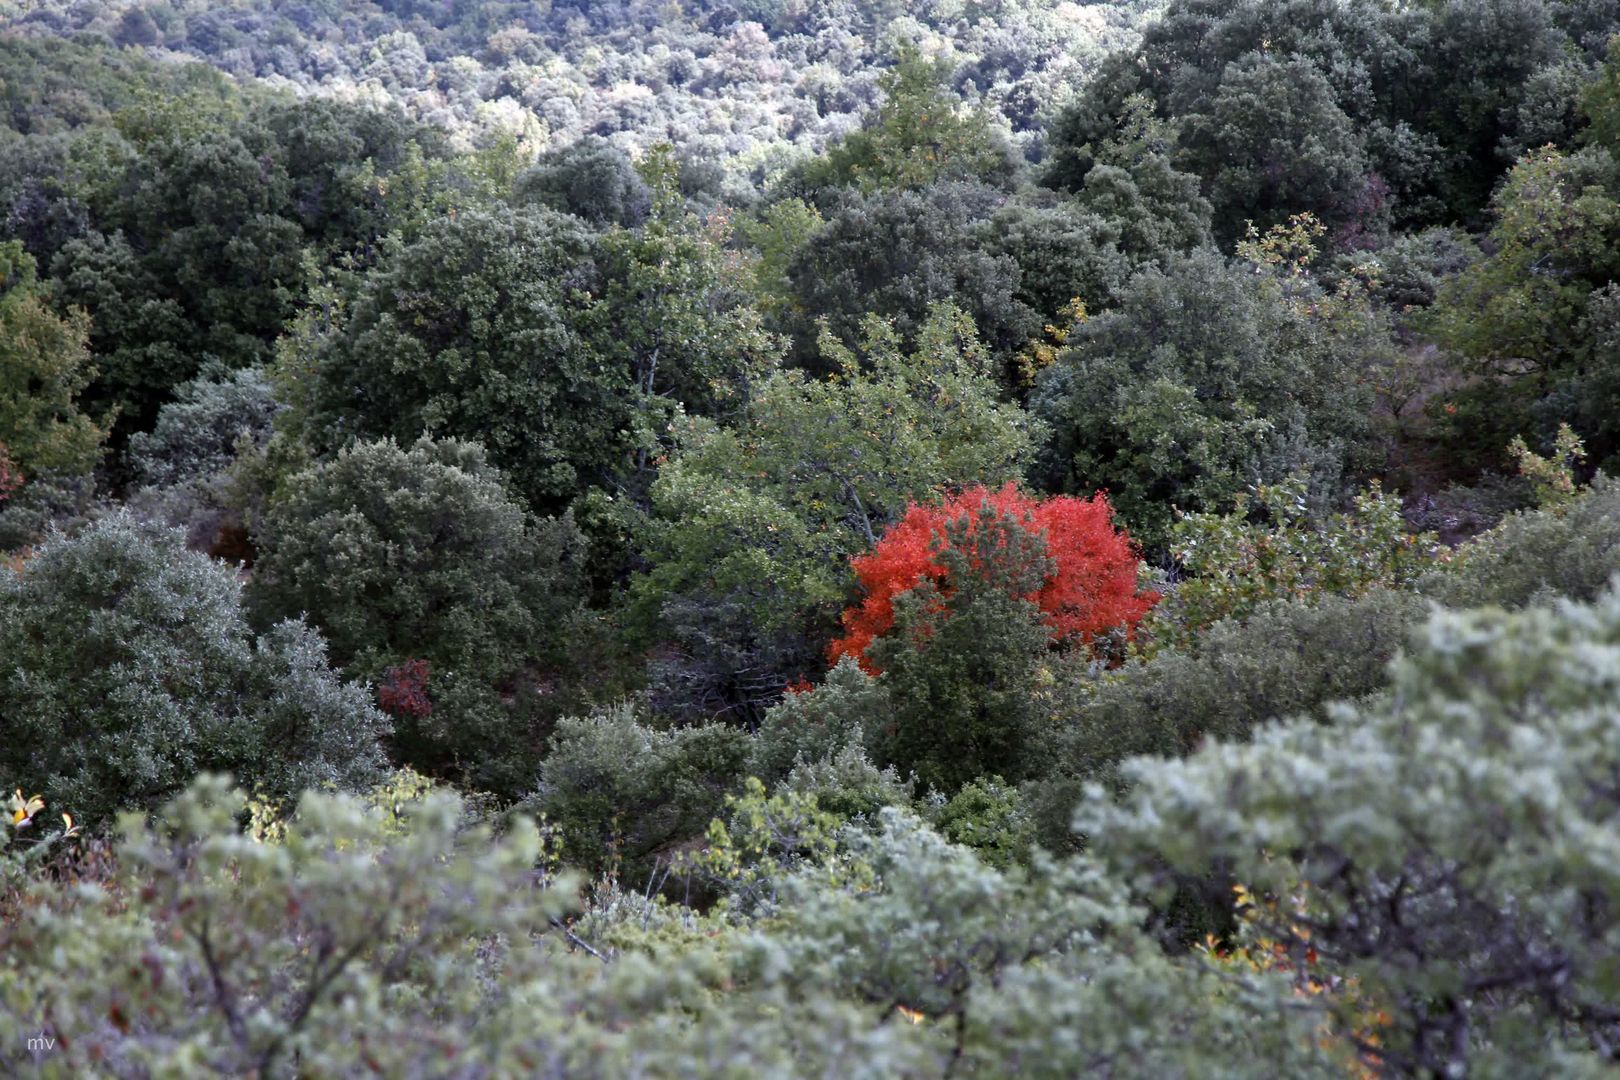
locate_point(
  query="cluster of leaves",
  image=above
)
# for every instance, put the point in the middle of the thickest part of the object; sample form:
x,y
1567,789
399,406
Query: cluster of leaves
x,y
421,554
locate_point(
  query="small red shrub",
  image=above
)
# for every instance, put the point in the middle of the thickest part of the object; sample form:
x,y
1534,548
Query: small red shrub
x,y
404,689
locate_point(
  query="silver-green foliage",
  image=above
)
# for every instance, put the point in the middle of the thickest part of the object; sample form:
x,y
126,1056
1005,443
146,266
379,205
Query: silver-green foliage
x,y
129,666
1453,846
370,938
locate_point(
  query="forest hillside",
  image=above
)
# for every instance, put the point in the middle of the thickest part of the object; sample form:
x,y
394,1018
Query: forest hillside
x,y
809,538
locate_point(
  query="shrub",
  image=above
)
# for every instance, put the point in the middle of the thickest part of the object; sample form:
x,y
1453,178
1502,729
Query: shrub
x,y
623,794
987,817
422,554
344,946
1569,550
1287,658
591,179
470,331
1233,563
198,433
813,725
130,667
1434,828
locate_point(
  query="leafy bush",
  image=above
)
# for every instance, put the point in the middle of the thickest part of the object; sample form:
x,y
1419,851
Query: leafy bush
x,y
811,725
375,936
257,955
1426,839
987,817
130,667
1232,563
419,552
961,667
198,433
1286,658
1533,323
1570,550
847,784
624,795
897,253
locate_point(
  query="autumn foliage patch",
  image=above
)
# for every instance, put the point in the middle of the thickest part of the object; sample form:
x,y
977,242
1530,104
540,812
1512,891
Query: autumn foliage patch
x,y
11,478
404,692
1090,589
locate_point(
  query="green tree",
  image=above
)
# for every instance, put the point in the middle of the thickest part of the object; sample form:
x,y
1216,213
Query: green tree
x,y
672,313
421,554
1274,142
1232,563
624,795
1530,321
471,331
753,524
1209,376
897,253
917,137
1283,658
1568,550
1132,182
590,179
44,364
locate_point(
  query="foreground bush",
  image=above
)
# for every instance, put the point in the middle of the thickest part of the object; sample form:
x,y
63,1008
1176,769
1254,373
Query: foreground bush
x,y
372,937
1449,848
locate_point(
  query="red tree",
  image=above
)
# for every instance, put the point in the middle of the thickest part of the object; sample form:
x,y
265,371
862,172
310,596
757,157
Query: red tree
x,y
1090,590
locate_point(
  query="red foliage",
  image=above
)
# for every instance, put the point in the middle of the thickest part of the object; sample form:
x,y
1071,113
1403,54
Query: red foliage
x,y
404,689
11,477
801,685
1091,591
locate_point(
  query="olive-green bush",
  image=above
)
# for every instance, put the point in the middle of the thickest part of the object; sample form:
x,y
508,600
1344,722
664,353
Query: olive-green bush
x,y
130,666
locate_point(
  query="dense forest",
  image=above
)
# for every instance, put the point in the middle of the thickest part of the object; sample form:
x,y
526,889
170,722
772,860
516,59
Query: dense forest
x,y
802,537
